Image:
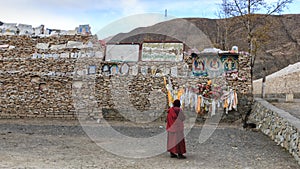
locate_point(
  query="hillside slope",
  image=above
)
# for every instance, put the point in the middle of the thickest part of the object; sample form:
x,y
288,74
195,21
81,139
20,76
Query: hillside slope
x,y
280,49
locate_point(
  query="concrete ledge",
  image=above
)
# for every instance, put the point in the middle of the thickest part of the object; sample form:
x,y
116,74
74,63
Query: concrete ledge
x,y
276,95
278,124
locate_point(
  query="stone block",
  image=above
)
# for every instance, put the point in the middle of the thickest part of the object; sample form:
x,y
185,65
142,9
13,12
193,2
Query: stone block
x,y
289,97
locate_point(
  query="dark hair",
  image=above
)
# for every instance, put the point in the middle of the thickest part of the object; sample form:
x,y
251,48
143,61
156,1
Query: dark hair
x,y
176,103
194,55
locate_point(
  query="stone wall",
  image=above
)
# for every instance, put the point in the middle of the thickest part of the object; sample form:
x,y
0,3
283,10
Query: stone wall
x,y
36,82
279,86
55,82
279,125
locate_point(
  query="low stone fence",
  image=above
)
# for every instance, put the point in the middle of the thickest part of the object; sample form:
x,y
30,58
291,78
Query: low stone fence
x,y
278,124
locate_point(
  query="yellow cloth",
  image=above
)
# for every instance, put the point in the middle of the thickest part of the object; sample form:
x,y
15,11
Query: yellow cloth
x,y
209,82
199,104
226,103
180,93
170,98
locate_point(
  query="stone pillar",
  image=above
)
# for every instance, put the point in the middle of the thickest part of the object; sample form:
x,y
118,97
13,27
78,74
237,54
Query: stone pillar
x,y
289,97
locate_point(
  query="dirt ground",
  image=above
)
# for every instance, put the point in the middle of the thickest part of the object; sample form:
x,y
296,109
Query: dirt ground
x,y
292,107
34,144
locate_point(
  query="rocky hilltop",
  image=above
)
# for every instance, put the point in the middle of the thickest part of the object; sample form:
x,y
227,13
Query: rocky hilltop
x,y
280,48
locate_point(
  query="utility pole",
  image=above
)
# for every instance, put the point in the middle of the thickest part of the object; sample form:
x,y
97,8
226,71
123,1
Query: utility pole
x,y
166,13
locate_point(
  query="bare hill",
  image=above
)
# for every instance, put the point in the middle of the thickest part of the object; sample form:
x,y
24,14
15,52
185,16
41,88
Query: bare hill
x,y
280,49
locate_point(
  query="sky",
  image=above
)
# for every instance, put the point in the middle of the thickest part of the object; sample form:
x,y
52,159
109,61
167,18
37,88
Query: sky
x,y
108,17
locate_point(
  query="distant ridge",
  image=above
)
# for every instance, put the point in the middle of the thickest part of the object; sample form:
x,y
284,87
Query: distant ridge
x,y
281,49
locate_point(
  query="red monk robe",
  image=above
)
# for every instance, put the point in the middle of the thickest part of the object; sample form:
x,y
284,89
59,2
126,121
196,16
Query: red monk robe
x,y
175,128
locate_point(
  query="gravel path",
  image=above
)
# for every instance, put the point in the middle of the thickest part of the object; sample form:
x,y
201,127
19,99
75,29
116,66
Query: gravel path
x,y
64,144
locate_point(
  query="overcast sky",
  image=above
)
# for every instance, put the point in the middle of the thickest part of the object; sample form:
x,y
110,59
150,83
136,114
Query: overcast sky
x,y
103,15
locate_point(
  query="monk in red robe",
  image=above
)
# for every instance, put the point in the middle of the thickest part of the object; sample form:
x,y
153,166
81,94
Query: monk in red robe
x,y
175,127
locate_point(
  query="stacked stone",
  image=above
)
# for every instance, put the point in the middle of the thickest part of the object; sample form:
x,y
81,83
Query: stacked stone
x,y
37,87
27,95
65,87
244,85
23,46
279,125
26,46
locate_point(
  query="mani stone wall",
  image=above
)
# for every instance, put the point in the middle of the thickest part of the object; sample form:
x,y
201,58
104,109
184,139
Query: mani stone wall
x,y
142,97
278,124
60,86
36,81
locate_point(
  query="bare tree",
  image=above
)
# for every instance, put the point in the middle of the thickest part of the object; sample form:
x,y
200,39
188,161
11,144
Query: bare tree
x,y
246,12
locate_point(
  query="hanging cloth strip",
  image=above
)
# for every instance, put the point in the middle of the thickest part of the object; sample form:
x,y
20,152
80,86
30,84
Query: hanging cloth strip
x,y
197,102
169,89
181,97
202,101
187,97
213,109
235,100
198,110
192,100
230,100
226,105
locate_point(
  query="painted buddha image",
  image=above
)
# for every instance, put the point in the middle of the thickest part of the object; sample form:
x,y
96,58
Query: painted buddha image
x,y
198,65
114,70
230,65
214,64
